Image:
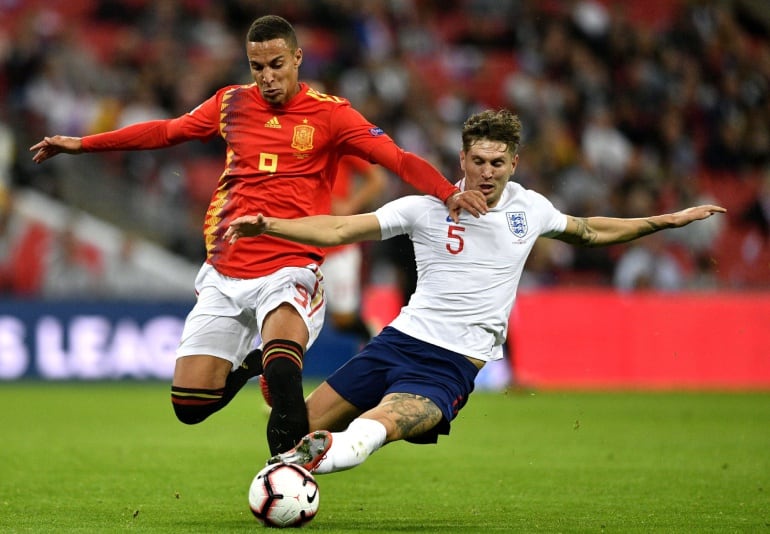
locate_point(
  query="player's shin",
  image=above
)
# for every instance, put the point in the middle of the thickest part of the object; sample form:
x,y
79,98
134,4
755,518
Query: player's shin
x,y
288,421
251,367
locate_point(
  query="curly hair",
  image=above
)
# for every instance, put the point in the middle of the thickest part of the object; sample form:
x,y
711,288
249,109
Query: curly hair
x,y
501,125
269,27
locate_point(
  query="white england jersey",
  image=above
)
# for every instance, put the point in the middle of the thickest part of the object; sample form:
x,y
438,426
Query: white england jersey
x,y
467,273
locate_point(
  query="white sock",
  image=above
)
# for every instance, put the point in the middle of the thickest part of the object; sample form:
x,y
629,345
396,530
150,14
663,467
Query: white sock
x,y
351,447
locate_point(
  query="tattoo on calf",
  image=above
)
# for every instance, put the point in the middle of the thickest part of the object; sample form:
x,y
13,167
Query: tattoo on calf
x,y
413,414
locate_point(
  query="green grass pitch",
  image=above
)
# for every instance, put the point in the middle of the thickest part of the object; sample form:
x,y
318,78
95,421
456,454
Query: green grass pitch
x,y
111,457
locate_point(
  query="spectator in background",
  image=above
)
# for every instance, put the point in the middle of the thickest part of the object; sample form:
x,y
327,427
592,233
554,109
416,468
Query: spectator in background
x,y
757,213
400,63
7,153
604,146
9,235
70,271
649,265
24,249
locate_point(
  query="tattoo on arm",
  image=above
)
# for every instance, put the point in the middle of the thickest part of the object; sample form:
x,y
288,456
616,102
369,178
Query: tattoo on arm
x,y
653,227
585,234
649,228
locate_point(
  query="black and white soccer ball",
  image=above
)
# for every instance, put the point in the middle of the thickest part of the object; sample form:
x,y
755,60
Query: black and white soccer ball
x,y
284,495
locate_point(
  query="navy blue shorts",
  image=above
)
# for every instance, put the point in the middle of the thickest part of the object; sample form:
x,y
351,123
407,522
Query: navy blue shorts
x,y
393,362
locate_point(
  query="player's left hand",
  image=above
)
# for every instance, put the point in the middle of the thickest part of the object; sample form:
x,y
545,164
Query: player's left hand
x,y
246,226
695,213
471,201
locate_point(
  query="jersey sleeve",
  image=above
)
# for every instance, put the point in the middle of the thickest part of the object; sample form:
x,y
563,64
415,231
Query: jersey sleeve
x,y
363,139
399,216
200,123
415,171
554,222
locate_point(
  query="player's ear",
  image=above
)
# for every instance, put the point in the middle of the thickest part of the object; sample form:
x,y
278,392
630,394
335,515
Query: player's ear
x,y
462,160
297,58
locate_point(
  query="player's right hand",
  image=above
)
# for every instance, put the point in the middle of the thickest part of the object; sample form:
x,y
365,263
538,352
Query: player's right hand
x,y
246,226
471,201
50,146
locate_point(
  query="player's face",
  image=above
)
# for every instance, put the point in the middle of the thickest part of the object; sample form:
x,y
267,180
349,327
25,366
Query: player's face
x,y
275,68
488,165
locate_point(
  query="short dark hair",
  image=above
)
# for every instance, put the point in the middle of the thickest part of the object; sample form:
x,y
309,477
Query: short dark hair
x,y
269,27
501,125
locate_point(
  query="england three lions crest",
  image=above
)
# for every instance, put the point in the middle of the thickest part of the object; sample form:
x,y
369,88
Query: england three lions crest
x,y
517,223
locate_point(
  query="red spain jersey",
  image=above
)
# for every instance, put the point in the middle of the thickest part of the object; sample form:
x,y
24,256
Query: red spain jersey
x,y
280,161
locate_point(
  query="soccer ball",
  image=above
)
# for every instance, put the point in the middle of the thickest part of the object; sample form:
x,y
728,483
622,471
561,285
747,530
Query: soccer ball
x,y
283,495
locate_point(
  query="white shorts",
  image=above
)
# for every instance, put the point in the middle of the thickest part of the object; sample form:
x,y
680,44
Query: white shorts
x,y
342,280
227,318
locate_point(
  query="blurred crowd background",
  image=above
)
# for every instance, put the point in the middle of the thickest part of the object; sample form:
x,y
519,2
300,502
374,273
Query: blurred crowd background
x,y
629,108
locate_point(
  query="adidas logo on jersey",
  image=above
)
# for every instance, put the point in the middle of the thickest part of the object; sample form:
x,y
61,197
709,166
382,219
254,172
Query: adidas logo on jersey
x,y
273,123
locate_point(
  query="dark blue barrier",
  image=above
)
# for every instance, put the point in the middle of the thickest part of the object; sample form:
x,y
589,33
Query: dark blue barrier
x,y
98,340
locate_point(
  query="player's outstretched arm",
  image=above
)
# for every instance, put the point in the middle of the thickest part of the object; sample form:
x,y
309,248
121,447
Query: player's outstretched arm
x,y
50,146
318,230
426,178
600,231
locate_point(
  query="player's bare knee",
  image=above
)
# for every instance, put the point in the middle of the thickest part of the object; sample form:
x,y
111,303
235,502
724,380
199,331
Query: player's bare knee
x,y
201,372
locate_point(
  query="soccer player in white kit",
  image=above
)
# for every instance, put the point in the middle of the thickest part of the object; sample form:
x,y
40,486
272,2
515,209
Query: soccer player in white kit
x,y
411,380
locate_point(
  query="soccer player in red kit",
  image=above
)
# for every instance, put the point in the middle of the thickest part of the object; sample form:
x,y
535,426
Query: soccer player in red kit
x,y
283,143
